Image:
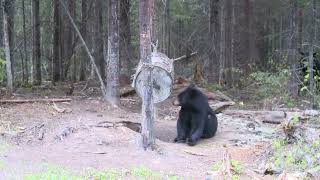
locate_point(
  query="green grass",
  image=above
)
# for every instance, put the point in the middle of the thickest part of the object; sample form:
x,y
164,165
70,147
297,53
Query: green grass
x,y
59,173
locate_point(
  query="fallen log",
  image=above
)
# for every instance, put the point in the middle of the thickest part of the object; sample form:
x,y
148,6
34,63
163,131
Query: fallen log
x,y
220,106
127,91
12,101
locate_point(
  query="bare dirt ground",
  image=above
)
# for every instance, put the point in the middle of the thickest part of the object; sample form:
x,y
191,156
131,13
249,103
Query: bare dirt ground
x,y
34,134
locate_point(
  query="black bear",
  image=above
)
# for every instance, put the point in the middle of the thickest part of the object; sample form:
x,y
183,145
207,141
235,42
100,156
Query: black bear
x,y
196,118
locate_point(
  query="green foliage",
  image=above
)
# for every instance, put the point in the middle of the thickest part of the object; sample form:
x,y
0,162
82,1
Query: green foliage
x,y
54,172
297,157
104,175
236,166
269,84
277,144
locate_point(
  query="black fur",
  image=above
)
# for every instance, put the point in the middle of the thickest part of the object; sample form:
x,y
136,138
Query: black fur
x,y
196,118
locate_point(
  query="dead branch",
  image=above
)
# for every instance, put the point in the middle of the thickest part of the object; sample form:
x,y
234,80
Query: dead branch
x,y
194,153
185,56
5,101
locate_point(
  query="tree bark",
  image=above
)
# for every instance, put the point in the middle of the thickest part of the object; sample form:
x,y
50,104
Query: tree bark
x,y
113,54
125,40
145,25
25,67
167,28
99,38
293,83
1,25
214,34
69,38
56,42
83,30
36,43
10,5
222,57
6,28
312,38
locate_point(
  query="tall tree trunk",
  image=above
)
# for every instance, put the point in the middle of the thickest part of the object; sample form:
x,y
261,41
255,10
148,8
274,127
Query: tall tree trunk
x,y
1,26
292,50
113,54
6,28
36,43
167,28
145,24
11,10
70,37
222,57
26,71
228,45
300,26
214,34
99,38
55,48
250,35
233,40
312,38
83,30
125,41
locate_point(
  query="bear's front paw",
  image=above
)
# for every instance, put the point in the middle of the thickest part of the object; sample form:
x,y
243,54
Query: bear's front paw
x,y
191,142
179,140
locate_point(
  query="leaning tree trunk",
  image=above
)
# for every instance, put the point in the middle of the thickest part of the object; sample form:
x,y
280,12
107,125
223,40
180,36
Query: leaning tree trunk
x,y
6,29
145,23
36,43
113,54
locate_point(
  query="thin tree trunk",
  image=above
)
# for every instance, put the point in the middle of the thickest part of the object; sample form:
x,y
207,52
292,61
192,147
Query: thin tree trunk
x,y
125,40
167,28
145,24
113,54
10,4
55,48
69,39
233,37
1,26
312,38
25,67
99,38
222,57
214,34
83,30
36,43
6,12
293,87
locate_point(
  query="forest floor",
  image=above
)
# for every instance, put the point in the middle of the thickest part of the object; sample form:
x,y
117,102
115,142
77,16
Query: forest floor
x,y
75,139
